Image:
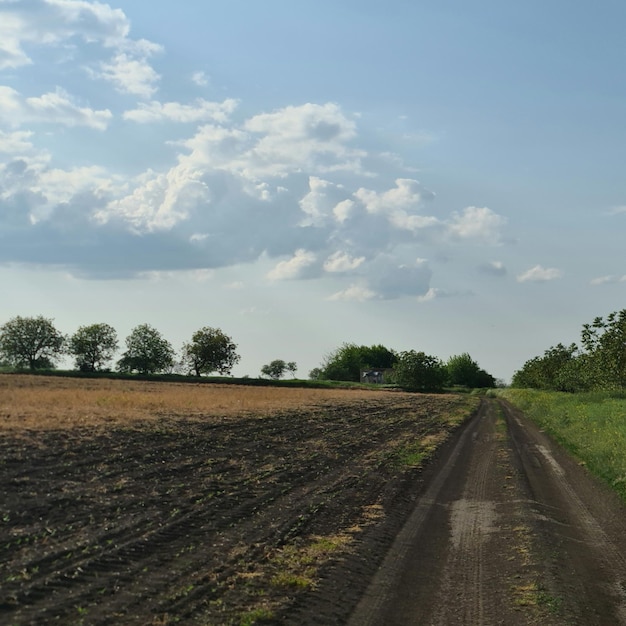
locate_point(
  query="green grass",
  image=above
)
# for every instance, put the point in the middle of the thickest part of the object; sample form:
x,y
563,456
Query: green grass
x,y
590,425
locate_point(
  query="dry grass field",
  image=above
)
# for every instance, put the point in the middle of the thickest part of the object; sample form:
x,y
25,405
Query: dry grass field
x,y
40,402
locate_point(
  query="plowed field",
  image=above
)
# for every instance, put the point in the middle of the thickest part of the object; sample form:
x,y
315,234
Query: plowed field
x,y
117,509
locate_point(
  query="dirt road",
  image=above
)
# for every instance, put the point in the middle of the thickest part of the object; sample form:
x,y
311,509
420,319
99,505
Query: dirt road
x,y
510,530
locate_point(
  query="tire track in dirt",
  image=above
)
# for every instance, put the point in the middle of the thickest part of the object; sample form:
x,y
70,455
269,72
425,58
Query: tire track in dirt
x,y
472,519
374,608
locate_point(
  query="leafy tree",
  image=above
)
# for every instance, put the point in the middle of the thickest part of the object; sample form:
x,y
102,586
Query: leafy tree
x,y
561,368
275,370
147,352
316,374
464,371
347,361
605,342
31,342
210,350
292,367
417,371
93,346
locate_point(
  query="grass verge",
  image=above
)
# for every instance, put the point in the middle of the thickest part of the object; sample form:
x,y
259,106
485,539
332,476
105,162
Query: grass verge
x,y
592,426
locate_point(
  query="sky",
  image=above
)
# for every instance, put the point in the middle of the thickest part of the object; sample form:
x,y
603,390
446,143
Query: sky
x,y
439,176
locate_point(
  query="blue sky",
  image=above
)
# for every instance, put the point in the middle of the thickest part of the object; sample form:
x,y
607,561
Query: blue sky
x,y
440,176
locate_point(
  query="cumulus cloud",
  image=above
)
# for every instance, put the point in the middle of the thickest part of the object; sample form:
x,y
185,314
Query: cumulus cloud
x,y
51,23
129,75
292,186
16,143
296,267
311,137
200,79
56,107
481,225
356,293
339,262
200,111
406,195
539,274
324,202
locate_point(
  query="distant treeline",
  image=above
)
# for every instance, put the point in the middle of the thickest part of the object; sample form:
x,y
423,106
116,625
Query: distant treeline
x,y
35,344
598,364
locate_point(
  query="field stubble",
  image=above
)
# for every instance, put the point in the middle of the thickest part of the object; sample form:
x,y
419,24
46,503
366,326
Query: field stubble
x,y
204,504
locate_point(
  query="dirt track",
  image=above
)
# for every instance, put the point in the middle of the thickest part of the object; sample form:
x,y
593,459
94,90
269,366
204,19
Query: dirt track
x,y
510,530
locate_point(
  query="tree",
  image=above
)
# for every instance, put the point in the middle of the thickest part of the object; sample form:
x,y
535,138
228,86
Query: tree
x,y
31,342
147,352
463,370
93,346
210,350
347,361
316,374
275,370
292,367
561,368
605,342
417,371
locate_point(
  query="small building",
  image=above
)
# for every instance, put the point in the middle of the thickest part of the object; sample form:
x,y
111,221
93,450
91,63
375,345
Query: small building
x,y
376,375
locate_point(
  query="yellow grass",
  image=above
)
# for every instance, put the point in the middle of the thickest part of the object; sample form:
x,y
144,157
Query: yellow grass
x,y
40,402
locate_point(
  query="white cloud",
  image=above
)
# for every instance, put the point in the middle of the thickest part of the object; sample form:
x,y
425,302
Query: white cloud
x,y
539,274
16,143
53,23
200,111
321,202
200,79
295,267
407,195
309,137
431,294
607,280
292,187
342,262
355,293
56,107
399,205
50,22
493,268
160,201
129,75
481,225
343,210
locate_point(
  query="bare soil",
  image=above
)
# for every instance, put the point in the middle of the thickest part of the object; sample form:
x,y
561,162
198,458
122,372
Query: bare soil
x,y
368,509
275,517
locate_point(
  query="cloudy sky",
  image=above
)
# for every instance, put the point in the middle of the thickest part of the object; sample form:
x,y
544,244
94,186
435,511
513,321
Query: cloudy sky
x,y
434,175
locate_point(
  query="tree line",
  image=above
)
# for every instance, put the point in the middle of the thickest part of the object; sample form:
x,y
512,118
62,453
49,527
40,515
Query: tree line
x,y
598,364
410,369
35,343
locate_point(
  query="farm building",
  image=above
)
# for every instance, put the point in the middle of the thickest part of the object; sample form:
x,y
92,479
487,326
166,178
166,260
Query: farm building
x,y
380,375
